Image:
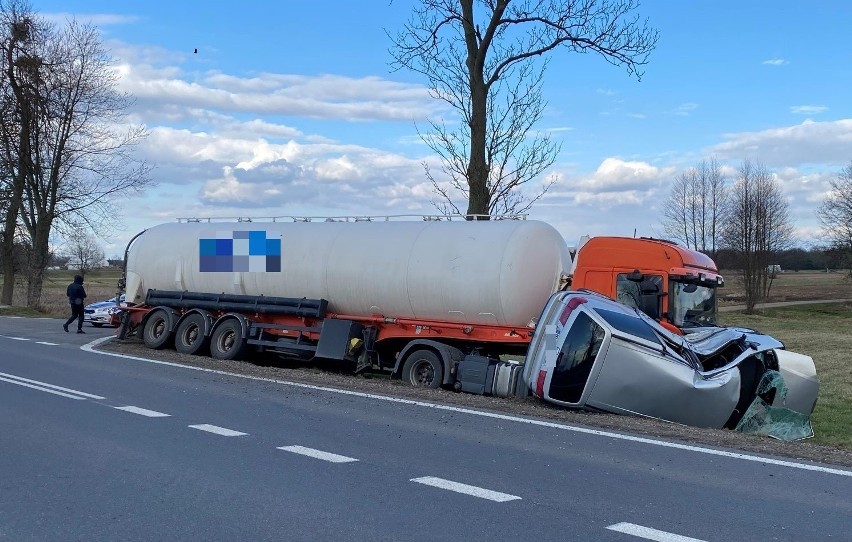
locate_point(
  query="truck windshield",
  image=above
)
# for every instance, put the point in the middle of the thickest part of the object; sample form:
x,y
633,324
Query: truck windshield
x,y
692,305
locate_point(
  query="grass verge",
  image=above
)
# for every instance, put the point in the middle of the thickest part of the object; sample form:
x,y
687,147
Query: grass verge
x,y
822,332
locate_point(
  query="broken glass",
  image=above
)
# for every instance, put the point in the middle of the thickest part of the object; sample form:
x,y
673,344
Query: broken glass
x,y
778,422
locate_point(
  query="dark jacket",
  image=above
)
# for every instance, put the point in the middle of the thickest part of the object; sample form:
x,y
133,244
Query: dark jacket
x,y
76,293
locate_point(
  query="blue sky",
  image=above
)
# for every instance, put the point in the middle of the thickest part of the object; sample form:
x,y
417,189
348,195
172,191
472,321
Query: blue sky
x,y
290,108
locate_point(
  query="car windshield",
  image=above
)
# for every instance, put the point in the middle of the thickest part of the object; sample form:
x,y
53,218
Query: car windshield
x,y
692,305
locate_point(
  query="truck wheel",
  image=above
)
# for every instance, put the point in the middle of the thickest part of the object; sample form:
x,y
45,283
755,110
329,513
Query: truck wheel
x,y
189,337
227,342
423,369
156,332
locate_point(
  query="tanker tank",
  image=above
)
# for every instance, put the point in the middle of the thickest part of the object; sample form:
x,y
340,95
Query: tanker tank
x,y
480,272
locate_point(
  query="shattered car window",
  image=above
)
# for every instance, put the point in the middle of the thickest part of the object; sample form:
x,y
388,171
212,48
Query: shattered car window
x,y
629,324
774,421
575,359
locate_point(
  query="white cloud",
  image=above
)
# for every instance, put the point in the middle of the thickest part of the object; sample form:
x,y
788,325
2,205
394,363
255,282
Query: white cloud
x,y
775,62
685,109
321,96
827,143
606,92
808,109
615,182
95,19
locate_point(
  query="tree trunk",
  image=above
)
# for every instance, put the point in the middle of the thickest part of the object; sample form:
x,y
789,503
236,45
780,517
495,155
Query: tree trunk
x,y
477,168
38,263
9,229
8,262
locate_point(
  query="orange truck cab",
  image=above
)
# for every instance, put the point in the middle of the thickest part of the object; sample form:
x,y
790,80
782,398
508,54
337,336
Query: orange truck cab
x,y
672,284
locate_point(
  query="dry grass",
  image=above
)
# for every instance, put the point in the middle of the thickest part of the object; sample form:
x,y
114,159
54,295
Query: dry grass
x,y
100,285
792,286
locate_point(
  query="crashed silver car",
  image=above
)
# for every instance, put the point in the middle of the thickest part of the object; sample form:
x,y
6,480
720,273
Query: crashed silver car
x,y
590,352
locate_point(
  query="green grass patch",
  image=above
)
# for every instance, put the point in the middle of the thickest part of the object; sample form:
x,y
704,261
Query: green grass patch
x,y
822,332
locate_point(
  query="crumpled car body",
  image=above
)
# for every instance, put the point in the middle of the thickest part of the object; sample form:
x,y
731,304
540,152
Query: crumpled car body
x,y
590,352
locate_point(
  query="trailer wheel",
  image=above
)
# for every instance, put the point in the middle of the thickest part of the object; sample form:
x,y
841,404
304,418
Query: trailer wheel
x,y
227,341
423,369
156,332
189,337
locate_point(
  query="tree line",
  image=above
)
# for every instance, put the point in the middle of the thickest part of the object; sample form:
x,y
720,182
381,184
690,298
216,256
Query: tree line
x,y
743,222
66,150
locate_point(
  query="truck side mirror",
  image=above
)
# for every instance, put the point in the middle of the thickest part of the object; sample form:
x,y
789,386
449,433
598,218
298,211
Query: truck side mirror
x,y
635,276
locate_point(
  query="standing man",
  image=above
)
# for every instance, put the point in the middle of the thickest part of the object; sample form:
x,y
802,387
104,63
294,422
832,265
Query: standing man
x,y
76,297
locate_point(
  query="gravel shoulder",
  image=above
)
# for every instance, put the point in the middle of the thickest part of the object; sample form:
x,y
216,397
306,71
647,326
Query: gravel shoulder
x,y
530,406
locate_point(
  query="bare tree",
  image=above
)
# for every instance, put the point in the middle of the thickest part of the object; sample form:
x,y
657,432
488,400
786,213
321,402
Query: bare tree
x,y
696,207
484,67
758,227
835,214
84,252
77,154
19,106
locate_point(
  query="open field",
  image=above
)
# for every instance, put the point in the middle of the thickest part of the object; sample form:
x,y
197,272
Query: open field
x,y
99,284
791,286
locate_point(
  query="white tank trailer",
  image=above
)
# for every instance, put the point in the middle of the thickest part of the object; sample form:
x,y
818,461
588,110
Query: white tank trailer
x,y
486,272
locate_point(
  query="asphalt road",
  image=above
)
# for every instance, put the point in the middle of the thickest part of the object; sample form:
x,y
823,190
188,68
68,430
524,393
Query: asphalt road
x,y
97,447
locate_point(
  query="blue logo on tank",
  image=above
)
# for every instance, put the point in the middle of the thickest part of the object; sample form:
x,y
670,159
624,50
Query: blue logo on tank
x,y
240,251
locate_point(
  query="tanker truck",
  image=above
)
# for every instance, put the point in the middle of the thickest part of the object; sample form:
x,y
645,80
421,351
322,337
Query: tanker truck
x,y
412,297
377,292
446,303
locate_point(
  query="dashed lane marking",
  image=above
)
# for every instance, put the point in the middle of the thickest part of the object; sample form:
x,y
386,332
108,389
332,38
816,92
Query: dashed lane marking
x,y
650,534
218,430
49,388
474,491
142,411
318,454
47,343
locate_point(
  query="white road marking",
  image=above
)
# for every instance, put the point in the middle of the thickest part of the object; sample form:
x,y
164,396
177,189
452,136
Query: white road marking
x,y
218,430
493,415
318,454
649,533
47,343
474,491
39,388
43,386
142,411
18,338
